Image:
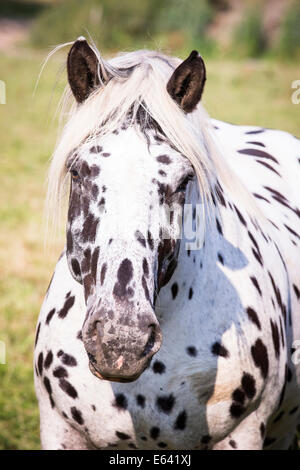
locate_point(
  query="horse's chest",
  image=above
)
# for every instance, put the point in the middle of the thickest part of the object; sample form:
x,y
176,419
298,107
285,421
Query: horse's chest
x,y
150,413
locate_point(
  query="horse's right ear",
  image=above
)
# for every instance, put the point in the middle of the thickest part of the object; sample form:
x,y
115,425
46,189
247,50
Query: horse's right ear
x,y
83,69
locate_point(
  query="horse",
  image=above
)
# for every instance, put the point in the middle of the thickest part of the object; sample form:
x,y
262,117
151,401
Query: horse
x,y
172,317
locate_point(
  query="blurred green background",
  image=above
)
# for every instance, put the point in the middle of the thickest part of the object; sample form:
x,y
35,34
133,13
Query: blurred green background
x,y
251,50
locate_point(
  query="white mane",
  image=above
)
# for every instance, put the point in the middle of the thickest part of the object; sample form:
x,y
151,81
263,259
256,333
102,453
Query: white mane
x,y
109,106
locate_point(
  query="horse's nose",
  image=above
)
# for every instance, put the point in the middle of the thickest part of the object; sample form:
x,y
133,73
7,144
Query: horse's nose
x,y
121,352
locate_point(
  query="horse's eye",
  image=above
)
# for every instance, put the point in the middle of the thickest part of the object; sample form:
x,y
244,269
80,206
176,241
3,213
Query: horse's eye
x,y
74,175
183,184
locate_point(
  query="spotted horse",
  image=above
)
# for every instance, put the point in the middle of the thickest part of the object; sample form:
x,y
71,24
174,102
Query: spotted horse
x,y
156,332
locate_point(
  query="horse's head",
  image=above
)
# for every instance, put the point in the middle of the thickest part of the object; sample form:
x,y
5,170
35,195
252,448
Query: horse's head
x,y
120,244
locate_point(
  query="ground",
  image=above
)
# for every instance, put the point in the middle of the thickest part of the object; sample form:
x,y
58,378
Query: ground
x,y
250,92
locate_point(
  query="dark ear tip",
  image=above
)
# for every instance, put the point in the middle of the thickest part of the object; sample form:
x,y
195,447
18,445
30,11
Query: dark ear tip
x,y
80,43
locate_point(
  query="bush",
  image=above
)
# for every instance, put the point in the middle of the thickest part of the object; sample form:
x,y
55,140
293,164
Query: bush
x,y
113,24
289,38
249,38
187,16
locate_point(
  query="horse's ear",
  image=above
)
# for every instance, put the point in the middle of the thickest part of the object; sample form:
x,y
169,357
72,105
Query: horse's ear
x,y
187,82
83,69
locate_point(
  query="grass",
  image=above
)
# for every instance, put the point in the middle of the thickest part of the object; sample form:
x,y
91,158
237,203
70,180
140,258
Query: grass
x,y
252,92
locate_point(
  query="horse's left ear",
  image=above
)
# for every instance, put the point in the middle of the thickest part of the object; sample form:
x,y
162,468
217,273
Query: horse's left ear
x,y
83,69
187,82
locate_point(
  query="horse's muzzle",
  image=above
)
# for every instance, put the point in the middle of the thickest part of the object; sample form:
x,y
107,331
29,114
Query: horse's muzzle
x,y
121,350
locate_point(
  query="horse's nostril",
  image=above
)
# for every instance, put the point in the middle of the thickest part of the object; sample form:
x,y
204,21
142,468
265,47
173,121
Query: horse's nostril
x,y
92,358
151,341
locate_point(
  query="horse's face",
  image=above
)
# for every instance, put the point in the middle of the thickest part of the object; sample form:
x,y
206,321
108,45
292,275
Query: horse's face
x,y
122,244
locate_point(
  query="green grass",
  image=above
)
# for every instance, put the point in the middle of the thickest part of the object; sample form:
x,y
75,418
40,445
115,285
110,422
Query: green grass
x,y
253,92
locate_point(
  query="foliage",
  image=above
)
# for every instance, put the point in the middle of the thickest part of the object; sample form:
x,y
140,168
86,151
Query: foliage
x,y
289,41
249,39
113,23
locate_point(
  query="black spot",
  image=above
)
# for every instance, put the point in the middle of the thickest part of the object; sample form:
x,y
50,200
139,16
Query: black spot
x,y
150,240
158,367
192,351
174,290
164,159
37,334
68,388
218,350
47,385
75,267
238,396
40,363
191,292
206,439
50,315
77,415
255,283
260,357
95,191
140,399
94,263
256,143
180,422
122,435
96,149
67,359
220,258
89,229
253,317
121,401
162,444
60,372
132,445
103,273
154,432
297,291
69,302
242,220
145,267
248,385
275,337
219,227
233,444
124,275
165,403
259,131
262,429
140,238
48,360
236,410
